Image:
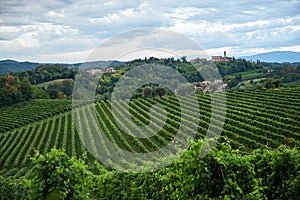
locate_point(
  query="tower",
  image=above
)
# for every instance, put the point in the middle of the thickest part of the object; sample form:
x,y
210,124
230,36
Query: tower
x,y
224,54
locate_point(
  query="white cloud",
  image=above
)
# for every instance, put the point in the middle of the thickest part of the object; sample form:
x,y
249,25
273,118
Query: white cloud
x,y
110,18
124,15
187,12
70,57
290,48
219,26
55,27
56,14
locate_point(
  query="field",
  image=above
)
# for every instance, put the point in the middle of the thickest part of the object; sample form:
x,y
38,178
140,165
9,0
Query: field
x,y
254,119
250,74
46,84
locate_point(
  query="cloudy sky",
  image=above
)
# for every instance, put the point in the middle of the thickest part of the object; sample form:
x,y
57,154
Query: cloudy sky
x,y
68,31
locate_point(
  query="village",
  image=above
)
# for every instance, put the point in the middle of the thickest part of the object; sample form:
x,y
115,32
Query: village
x,y
216,85
204,86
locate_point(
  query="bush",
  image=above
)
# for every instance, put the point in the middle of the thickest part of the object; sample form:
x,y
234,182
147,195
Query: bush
x,y
57,176
12,189
225,173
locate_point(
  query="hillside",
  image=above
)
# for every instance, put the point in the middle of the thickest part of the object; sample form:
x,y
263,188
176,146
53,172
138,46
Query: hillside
x,y
46,136
9,66
269,118
12,66
255,123
275,56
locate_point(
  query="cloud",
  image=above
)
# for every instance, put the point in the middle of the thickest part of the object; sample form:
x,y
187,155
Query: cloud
x,y
188,12
62,27
56,14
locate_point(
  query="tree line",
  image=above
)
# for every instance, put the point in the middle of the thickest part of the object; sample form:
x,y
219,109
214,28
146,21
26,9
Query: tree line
x,y
13,86
12,90
22,86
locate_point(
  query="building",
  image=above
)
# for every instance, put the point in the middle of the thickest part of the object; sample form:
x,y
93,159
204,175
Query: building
x,y
110,70
218,81
221,58
210,86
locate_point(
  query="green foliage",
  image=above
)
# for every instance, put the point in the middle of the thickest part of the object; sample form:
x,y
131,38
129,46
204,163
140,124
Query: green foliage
x,y
223,174
65,87
108,81
15,91
147,92
47,72
160,91
24,113
10,92
272,83
57,176
280,172
40,93
254,119
26,89
237,65
12,189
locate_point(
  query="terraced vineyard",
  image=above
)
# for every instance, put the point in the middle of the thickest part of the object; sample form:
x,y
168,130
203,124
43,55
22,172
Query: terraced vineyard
x,y
27,112
254,119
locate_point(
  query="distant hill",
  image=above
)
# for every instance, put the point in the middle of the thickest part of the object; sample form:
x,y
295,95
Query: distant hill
x,y
99,64
10,66
275,56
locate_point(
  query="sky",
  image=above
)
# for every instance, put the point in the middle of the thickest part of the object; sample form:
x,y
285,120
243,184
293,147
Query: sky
x,y
69,31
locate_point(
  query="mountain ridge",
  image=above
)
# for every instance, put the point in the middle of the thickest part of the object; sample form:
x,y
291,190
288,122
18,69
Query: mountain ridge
x,y
275,56
10,66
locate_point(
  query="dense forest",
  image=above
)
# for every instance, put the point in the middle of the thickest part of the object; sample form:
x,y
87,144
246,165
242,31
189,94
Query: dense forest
x,y
23,86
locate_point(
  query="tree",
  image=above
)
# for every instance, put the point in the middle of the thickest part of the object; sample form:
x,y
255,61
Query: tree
x,y
239,78
160,91
40,93
52,92
272,83
147,92
56,89
258,87
67,87
5,98
9,91
184,60
269,83
26,89
60,95
276,83
298,69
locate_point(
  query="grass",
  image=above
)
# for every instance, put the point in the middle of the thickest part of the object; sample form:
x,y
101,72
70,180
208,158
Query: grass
x,y
249,75
46,84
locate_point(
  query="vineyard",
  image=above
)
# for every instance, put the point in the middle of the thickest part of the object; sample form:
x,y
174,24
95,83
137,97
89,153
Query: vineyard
x,y
254,119
22,114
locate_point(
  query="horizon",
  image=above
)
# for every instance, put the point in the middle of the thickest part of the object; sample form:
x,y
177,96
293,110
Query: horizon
x,y
128,60
68,32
